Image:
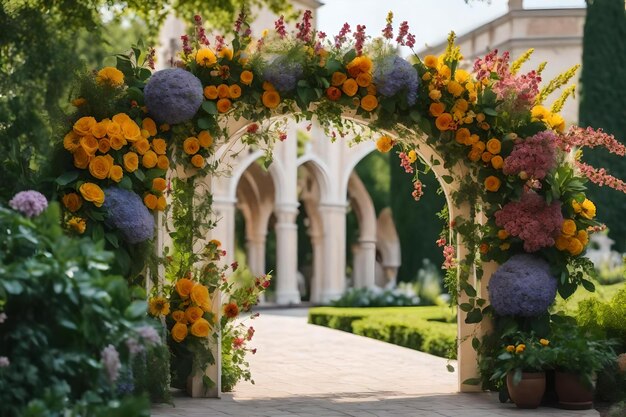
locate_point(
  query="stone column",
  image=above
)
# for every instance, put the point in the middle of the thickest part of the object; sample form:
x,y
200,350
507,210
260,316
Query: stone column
x,y
255,253
224,230
334,220
357,266
286,255
317,242
368,263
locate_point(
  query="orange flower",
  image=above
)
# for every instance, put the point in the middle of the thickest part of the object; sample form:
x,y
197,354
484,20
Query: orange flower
x,y
371,89
163,162
223,105
444,121
431,61
223,91
179,332
81,158
200,328
234,91
210,92
205,139
99,130
71,141
89,144
149,159
142,146
363,79
350,87
437,109
117,142
474,155
502,234
83,125
116,173
159,184
333,93
197,161
338,78
113,128
72,202
150,200
104,145
93,193
494,146
131,131
184,286
231,310
159,146
131,161
455,88
111,76
205,57
486,156
384,144
497,162
161,203
360,64
271,99
492,183
200,295
120,118
226,53
434,94
193,313
462,135
267,86
99,167
246,77
149,125
369,102
179,316
484,248
191,145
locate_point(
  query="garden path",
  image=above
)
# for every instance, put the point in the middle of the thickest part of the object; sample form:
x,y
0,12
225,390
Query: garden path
x,y
302,370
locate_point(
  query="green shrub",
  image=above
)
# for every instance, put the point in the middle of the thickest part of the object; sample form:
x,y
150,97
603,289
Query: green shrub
x,y
605,319
60,311
428,329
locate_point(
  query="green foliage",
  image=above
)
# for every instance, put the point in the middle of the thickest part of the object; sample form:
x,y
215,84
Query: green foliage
x,y
429,329
602,102
605,319
151,373
366,297
525,354
62,310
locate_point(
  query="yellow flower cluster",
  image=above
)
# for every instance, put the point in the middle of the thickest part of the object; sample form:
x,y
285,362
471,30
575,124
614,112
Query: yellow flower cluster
x,y
356,83
572,239
111,76
193,144
553,120
191,313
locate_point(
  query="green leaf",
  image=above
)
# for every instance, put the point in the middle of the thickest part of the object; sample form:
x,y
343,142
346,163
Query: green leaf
x,y
139,175
136,309
490,112
472,381
474,316
447,179
588,285
67,177
97,233
333,65
204,123
475,343
450,368
112,239
210,107
467,307
349,56
12,287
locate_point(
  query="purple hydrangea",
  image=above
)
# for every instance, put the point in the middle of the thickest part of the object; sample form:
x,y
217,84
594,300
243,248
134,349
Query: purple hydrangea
x,y
111,362
395,74
173,95
30,203
149,335
283,74
522,286
127,213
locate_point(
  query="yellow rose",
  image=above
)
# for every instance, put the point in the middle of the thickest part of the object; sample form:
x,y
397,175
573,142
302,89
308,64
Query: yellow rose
x,y
197,161
568,228
104,145
544,342
200,328
81,158
77,224
117,142
99,167
131,131
384,144
92,192
184,286
431,61
223,91
72,202
179,316
161,203
492,183
574,247
588,209
583,236
114,129
99,130
360,64
121,118
131,161
210,92
205,57
234,91
363,79
83,125
193,313
150,201
271,99
111,76
149,125
71,141
369,102
159,146
191,145
200,295
246,77
163,162
205,139
350,87
90,144
149,159
510,348
494,146
179,332
116,173
520,348
444,121
562,242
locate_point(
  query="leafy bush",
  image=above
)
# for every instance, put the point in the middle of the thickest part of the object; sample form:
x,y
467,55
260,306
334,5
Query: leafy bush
x,y
374,297
429,329
67,331
605,318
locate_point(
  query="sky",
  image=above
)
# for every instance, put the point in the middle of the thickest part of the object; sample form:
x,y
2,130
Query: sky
x,y
429,20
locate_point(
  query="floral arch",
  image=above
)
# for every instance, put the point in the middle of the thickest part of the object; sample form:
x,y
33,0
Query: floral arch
x,y
153,141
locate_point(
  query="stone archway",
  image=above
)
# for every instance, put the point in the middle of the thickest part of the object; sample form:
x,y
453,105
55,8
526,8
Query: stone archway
x,y
364,261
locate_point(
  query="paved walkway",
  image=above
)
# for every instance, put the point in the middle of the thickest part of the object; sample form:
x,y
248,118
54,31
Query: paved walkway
x,y
303,370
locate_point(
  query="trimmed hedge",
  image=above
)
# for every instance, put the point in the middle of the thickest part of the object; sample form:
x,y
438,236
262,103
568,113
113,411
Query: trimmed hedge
x,y
426,329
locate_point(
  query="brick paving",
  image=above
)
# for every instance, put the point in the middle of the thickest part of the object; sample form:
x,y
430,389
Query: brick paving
x,y
303,370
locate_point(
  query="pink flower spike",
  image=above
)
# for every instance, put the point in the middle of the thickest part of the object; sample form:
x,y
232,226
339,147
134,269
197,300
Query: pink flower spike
x,y
359,36
403,31
279,25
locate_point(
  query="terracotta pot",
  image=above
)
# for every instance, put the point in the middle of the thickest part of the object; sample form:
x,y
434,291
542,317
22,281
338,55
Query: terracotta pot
x,y
529,392
572,392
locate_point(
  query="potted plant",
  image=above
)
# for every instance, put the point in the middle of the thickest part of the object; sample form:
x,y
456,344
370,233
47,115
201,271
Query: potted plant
x,y
523,366
577,359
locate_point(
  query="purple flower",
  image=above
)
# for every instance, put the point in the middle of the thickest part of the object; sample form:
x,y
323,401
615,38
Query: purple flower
x,y
134,347
3,317
395,74
30,203
128,214
149,335
522,286
111,362
4,362
283,74
535,155
173,95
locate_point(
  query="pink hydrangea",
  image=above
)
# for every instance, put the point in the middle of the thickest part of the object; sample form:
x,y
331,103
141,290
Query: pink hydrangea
x,y
535,156
532,220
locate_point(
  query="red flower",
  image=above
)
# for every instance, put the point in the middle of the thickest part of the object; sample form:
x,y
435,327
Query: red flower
x,y
231,310
333,93
238,342
252,128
